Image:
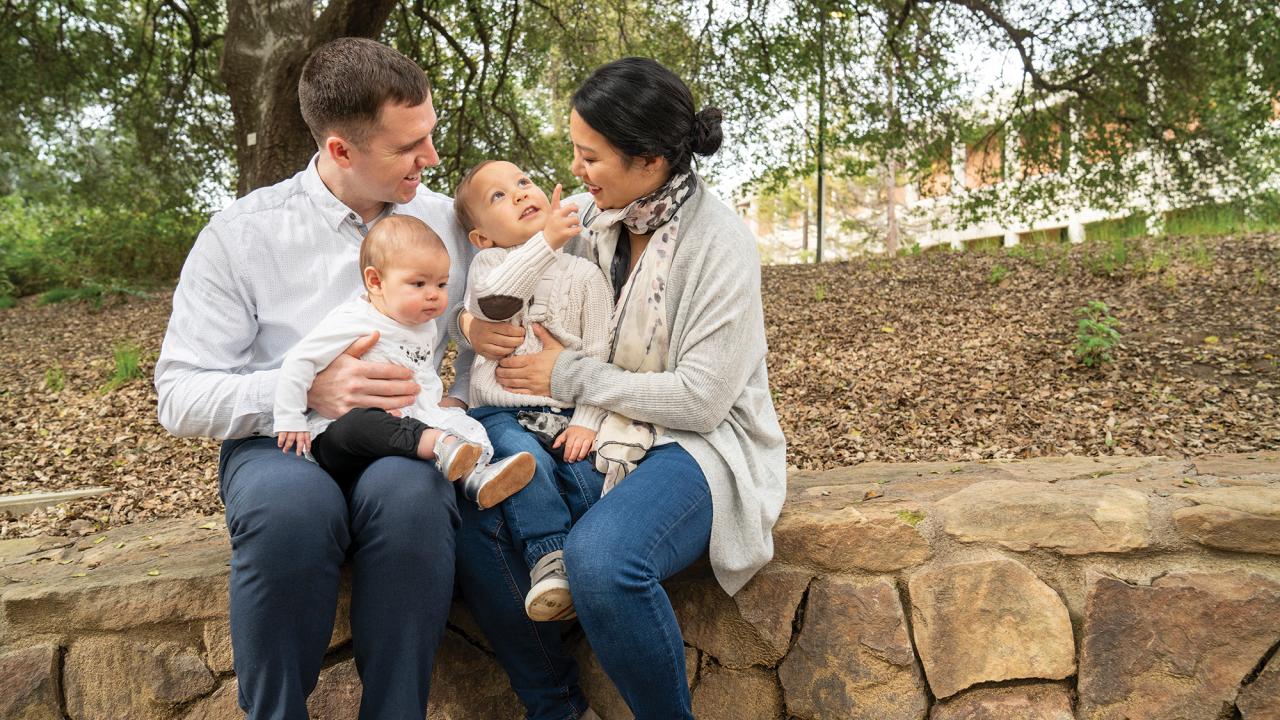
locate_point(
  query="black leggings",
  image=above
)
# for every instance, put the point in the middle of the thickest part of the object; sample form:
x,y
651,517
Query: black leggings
x,y
352,442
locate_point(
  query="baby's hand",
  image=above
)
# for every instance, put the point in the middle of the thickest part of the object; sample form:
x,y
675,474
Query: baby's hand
x,y
286,441
562,222
577,442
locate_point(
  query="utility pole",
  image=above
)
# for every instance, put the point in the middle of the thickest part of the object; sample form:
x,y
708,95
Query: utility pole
x,y
822,123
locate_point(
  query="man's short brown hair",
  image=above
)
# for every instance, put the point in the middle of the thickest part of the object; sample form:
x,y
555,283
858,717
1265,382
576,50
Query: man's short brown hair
x,y
346,82
461,206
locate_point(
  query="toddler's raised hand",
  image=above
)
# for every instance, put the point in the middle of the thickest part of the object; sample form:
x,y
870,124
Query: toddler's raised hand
x,y
287,440
562,222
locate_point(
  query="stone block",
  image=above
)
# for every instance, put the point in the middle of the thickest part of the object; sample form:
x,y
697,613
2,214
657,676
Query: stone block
x,y
1048,701
1260,699
988,621
853,659
217,646
840,539
337,693
1178,648
223,704
469,683
1069,520
108,678
750,628
30,684
727,694
1243,519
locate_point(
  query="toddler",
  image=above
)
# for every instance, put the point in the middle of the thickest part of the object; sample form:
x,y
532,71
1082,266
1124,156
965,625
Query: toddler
x,y
519,276
405,268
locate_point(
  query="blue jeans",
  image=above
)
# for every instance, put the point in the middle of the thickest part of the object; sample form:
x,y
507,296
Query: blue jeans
x,y
653,524
538,517
292,528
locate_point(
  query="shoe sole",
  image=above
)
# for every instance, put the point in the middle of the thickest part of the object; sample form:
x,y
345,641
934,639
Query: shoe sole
x,y
510,481
464,461
556,603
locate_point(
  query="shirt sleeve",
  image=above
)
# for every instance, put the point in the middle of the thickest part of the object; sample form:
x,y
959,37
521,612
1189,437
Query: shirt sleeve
x,y
201,384
303,362
497,291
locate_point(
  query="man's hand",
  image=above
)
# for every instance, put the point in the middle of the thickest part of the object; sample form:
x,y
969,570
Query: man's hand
x,y
562,222
492,340
349,382
577,442
287,440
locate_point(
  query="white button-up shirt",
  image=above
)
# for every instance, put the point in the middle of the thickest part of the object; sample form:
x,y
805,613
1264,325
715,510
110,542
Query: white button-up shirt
x,y
260,276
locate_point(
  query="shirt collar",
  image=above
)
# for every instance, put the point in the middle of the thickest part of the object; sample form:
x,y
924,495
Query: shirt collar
x,y
333,210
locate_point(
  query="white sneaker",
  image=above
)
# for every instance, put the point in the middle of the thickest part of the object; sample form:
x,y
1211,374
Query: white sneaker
x,y
549,598
496,482
455,457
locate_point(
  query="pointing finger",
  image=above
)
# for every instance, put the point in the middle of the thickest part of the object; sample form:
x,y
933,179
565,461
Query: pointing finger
x,y
555,197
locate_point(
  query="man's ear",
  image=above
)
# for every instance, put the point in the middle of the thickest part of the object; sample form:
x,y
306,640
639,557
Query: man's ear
x,y
478,239
339,151
373,280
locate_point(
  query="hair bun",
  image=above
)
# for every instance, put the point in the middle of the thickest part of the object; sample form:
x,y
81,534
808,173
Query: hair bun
x,y
706,135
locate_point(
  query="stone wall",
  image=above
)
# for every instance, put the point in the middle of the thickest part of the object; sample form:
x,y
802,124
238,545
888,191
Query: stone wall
x,y
1099,588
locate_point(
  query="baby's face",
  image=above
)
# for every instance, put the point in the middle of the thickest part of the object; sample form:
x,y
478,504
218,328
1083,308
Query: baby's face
x,y
415,287
507,207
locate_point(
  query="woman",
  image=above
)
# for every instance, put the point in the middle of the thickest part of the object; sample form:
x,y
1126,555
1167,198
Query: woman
x,y
692,453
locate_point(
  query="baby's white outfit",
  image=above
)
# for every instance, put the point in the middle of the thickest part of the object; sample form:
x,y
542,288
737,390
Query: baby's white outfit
x,y
408,346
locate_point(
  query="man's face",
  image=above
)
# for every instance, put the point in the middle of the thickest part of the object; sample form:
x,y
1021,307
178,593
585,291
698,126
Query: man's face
x,y
388,165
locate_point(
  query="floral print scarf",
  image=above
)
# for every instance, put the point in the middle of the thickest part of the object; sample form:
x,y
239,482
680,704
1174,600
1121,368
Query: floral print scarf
x,y
639,336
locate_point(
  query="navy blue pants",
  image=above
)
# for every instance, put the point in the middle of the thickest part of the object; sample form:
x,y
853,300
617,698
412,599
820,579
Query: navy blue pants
x,y
292,528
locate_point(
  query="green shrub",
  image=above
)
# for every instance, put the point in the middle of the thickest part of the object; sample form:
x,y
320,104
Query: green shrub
x,y
1096,334
998,273
92,293
7,301
51,246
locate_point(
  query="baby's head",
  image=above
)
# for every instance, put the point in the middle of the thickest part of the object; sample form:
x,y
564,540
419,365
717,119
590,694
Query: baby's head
x,y
406,270
499,206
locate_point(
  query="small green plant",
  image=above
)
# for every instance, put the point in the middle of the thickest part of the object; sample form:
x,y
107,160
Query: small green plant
x,y
1158,261
7,301
1096,334
1200,255
998,273
1259,279
911,517
127,356
54,379
820,292
1111,259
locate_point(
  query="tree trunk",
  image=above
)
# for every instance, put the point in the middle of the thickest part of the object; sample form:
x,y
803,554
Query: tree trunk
x,y
890,175
267,41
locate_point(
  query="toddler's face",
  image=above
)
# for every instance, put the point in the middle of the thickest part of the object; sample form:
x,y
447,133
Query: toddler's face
x,y
414,287
508,208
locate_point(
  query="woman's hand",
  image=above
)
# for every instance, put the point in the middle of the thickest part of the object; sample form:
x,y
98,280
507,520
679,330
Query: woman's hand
x,y
531,374
492,340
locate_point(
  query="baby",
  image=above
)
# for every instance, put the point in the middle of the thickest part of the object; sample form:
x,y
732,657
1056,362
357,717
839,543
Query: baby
x,y
520,277
405,268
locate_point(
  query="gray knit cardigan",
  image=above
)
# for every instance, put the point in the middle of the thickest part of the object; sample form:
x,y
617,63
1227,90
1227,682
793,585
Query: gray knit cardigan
x,y
714,396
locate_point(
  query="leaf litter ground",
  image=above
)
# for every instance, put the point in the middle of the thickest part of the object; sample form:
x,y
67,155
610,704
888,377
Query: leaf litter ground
x,y
937,356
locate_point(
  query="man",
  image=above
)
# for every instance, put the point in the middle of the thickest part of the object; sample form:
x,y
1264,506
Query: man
x,y
261,274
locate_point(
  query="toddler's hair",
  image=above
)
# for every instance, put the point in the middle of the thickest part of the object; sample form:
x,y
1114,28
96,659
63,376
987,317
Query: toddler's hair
x,y
393,233
461,208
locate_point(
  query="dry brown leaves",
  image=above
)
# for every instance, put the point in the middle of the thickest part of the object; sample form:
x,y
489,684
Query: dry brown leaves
x,y
919,358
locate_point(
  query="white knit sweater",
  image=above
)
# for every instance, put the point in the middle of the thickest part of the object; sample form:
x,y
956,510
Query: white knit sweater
x,y
568,295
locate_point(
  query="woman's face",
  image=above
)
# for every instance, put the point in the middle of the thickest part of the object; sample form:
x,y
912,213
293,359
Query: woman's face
x,y
613,179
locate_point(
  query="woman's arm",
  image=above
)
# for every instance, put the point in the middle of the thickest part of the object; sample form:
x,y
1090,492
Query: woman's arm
x,y
721,346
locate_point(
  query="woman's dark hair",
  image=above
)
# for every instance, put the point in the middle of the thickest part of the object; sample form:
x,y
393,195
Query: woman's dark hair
x,y
644,110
